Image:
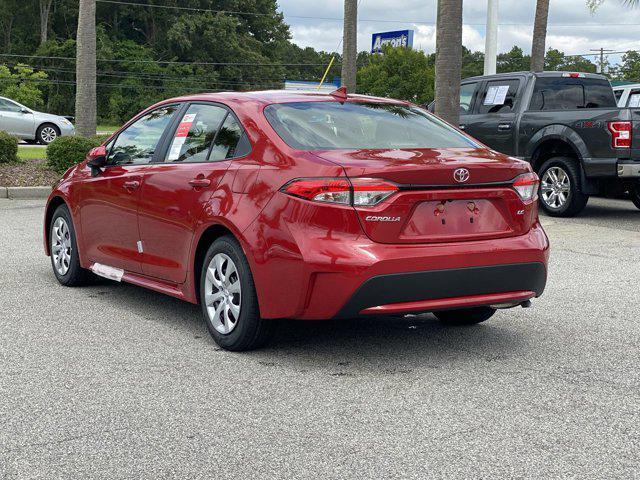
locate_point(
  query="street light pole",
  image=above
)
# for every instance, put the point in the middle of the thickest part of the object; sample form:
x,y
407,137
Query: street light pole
x,y
491,38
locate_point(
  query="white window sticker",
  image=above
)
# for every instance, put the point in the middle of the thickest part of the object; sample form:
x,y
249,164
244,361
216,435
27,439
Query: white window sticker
x,y
634,100
496,95
181,135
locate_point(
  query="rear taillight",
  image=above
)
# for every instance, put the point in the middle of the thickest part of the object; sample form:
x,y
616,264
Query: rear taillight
x,y
360,192
620,134
573,75
526,186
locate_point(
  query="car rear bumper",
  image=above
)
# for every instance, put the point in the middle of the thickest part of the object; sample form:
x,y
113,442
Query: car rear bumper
x,y
393,279
449,288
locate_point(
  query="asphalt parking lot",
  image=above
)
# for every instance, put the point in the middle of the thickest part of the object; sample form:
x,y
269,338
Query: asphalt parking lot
x,y
119,382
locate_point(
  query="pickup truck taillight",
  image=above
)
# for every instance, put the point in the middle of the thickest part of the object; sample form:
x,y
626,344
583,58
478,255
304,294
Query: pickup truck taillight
x,y
620,134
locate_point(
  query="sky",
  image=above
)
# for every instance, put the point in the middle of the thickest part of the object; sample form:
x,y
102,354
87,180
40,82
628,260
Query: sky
x,y
572,28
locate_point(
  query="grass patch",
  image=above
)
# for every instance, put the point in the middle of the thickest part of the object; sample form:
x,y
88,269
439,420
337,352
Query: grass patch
x,y
107,128
31,153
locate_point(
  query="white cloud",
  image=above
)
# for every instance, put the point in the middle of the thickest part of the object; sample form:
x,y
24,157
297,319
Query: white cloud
x,y
572,28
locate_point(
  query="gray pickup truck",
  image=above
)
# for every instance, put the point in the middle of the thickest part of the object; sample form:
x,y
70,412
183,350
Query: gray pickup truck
x,y
567,125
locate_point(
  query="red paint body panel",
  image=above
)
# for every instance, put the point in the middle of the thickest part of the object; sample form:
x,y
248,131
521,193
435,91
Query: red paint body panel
x,y
307,258
448,303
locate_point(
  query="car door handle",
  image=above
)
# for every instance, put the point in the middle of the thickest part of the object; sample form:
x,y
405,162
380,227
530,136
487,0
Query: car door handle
x,y
199,182
132,185
504,126
462,127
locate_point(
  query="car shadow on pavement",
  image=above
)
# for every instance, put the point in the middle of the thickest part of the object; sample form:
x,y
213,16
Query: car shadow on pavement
x,y
390,343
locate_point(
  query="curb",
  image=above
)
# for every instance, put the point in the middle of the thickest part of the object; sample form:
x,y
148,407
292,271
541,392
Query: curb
x,y
24,192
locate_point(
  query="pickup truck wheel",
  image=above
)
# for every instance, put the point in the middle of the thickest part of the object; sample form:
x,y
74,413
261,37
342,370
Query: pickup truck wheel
x,y
635,196
560,194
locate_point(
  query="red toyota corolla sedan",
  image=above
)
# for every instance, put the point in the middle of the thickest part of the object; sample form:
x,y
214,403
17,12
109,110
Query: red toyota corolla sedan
x,y
272,205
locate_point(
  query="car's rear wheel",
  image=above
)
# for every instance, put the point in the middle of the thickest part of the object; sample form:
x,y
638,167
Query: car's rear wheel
x,y
560,194
63,248
635,196
465,316
228,298
47,133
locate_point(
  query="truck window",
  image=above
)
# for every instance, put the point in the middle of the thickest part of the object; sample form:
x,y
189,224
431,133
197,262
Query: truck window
x,y
562,93
499,96
634,98
466,97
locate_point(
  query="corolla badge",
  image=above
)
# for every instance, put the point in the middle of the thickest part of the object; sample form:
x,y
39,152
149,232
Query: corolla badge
x,y
461,175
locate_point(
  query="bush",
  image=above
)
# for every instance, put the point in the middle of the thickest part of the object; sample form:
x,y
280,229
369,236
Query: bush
x,y
65,152
8,148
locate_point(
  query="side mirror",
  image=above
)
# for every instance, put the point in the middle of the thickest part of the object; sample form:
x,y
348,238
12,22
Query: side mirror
x,y
97,159
25,110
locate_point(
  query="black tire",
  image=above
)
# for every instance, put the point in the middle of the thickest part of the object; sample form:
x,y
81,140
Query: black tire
x,y
576,200
635,196
43,139
250,331
75,276
465,316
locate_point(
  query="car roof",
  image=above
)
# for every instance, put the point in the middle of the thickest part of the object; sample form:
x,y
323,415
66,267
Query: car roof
x,y
267,97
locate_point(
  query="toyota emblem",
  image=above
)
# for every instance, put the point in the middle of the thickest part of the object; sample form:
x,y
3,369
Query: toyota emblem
x,y
461,175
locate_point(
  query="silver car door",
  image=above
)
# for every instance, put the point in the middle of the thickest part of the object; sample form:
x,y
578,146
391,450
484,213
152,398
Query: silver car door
x,y
15,119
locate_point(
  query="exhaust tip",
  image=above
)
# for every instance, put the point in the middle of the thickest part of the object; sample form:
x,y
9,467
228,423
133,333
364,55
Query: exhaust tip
x,y
526,304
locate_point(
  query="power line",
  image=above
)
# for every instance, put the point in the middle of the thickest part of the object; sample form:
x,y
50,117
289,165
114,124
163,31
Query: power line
x,y
340,19
169,62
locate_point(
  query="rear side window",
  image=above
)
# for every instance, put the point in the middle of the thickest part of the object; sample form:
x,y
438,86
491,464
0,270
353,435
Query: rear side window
x,y
561,93
231,141
195,133
634,98
499,96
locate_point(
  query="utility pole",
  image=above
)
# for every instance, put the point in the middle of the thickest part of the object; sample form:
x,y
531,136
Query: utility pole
x,y
601,62
350,45
491,38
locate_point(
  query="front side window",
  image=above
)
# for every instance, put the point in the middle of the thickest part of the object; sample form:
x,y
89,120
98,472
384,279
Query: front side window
x,y
499,96
353,125
137,143
466,97
195,133
8,106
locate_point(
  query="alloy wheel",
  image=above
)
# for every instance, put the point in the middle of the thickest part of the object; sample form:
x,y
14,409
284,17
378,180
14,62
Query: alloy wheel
x,y
61,246
222,293
555,186
48,134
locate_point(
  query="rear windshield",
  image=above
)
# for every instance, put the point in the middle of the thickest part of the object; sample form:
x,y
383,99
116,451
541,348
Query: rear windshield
x,y
332,125
563,93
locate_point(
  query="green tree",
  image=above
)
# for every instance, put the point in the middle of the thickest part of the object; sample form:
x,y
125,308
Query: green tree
x,y
513,61
630,68
401,73
23,84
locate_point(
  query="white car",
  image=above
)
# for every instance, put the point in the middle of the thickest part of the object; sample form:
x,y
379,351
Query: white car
x,y
30,125
628,95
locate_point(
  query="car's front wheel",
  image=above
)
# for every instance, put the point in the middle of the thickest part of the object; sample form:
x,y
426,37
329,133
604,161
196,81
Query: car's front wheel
x,y
63,248
465,316
560,194
228,298
47,133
